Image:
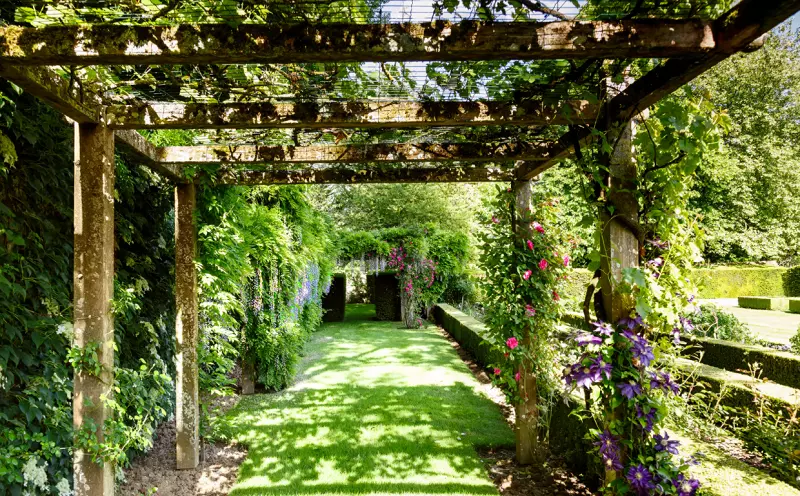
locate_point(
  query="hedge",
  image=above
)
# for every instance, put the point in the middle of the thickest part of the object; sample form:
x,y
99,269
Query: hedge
x,y
732,282
794,305
778,366
387,296
371,287
791,282
764,303
335,301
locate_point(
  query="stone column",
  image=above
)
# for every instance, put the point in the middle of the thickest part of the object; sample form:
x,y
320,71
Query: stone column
x,y
527,410
93,288
187,412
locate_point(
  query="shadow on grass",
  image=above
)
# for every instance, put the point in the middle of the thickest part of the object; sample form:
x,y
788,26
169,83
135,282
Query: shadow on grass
x,y
381,410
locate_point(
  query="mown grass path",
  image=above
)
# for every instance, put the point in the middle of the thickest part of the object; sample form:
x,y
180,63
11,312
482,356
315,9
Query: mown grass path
x,y
377,409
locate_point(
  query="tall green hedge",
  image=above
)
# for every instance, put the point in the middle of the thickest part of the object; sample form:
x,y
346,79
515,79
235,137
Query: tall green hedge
x,y
387,296
732,282
335,301
791,282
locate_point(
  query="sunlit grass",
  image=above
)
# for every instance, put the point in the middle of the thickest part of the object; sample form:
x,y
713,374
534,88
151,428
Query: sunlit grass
x,y
377,409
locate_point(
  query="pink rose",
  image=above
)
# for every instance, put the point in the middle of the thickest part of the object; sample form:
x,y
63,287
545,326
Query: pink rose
x,y
530,245
538,227
556,297
516,377
542,264
496,371
566,260
512,342
527,274
495,220
530,311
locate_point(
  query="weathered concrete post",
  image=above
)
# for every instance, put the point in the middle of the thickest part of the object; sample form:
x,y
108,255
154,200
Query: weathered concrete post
x,y
187,411
93,292
527,410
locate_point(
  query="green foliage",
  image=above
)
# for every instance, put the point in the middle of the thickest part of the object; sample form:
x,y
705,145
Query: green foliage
x,y
712,322
732,282
795,341
791,282
747,192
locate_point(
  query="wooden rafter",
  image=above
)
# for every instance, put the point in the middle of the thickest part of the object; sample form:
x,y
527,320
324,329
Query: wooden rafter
x,y
353,114
297,43
370,175
735,31
427,152
136,144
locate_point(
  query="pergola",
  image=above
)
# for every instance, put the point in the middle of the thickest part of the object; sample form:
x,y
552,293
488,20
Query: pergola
x,y
150,70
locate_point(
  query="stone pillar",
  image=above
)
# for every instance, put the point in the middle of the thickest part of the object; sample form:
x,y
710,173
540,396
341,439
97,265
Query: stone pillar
x,y
93,291
527,409
187,411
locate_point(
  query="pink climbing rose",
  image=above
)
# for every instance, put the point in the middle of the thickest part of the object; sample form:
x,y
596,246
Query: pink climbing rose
x,y
495,220
496,371
530,245
527,275
538,227
566,260
516,377
542,264
512,342
556,297
529,310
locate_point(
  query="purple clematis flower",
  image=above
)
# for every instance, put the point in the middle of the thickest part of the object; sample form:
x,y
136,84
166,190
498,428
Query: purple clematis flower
x,y
586,339
601,367
656,262
663,381
676,336
686,487
649,418
663,443
643,352
612,462
687,324
630,389
586,376
641,479
658,243
607,442
603,328
631,323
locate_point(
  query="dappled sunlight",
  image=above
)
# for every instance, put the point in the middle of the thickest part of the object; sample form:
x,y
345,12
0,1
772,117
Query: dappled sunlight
x,y
381,410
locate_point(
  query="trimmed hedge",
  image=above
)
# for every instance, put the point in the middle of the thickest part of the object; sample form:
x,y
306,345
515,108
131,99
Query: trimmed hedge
x,y
335,301
794,305
778,366
387,297
468,332
371,287
791,282
764,303
732,282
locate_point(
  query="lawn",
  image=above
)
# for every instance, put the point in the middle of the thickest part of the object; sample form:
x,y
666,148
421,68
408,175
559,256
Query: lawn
x,y
377,409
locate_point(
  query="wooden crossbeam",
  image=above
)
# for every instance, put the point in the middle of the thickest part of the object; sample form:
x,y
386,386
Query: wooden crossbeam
x,y
136,144
353,114
427,152
353,176
297,43
735,31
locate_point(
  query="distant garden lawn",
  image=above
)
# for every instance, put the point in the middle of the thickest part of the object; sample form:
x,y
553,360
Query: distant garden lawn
x,y
377,409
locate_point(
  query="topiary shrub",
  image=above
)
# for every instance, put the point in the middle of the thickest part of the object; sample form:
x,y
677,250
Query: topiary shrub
x,y
731,282
387,297
334,302
791,281
795,341
712,322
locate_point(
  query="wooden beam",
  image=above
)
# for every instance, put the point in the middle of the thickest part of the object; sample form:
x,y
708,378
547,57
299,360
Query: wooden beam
x,y
428,152
355,114
735,31
56,91
297,43
148,155
373,175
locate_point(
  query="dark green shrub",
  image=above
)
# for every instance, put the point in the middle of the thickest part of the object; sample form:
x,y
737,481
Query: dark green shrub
x,y
795,341
278,351
334,302
791,282
712,322
387,296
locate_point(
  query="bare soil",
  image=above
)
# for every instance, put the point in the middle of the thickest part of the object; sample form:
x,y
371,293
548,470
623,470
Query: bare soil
x,y
156,473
